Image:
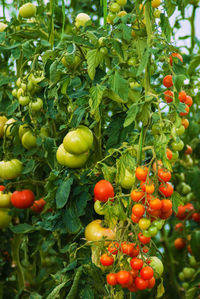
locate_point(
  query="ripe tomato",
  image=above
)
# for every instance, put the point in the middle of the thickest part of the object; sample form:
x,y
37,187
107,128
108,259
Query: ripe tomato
x,y
185,122
123,277
165,215
38,205
196,217
188,101
82,19
36,105
134,218
155,3
154,213
151,283
132,288
3,120
169,154
113,247
136,195
146,272
187,109
127,248
2,188
103,190
144,223
70,160
10,169
22,199
140,283
138,210
164,175
27,10
111,279
95,232
144,240
179,226
188,151
136,263
134,273
5,218
166,205
179,243
155,204
182,96
5,199
106,260
135,251
175,55
28,140
181,214
147,187
78,141
169,96
145,249
141,173
167,81
166,189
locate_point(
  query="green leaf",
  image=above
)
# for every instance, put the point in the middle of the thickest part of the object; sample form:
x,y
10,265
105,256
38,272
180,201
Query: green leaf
x,y
131,115
144,114
191,293
96,93
77,116
56,291
28,167
22,228
71,220
143,62
119,85
195,244
160,290
181,107
176,201
35,295
194,64
94,58
63,192
126,161
74,289
87,292
109,173
165,26
178,81
170,7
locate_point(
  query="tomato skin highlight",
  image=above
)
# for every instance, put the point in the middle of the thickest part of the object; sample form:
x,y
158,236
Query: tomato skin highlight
x,y
22,199
166,190
179,243
138,210
103,190
136,195
164,175
136,264
141,173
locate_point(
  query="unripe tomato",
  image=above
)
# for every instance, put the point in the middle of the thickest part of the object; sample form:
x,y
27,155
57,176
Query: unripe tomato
x,y
181,276
121,2
182,96
27,10
18,82
128,180
24,101
140,283
22,130
23,86
8,126
22,199
192,261
5,199
123,277
157,13
70,160
36,105
167,81
177,145
122,13
103,190
144,223
3,120
20,92
169,96
111,16
14,92
78,141
166,190
104,51
82,19
187,109
28,140
157,266
98,207
38,205
106,260
10,169
188,101
188,272
141,173
3,26
111,279
175,55
114,7
185,122
158,223
180,130
95,232
5,218
155,3
152,231
179,243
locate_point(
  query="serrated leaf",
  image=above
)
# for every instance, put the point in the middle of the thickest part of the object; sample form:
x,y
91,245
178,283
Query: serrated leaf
x,y
71,220
94,58
63,192
143,62
22,228
165,26
119,85
109,173
131,115
143,114
181,107
194,64
178,81
96,93
176,201
28,167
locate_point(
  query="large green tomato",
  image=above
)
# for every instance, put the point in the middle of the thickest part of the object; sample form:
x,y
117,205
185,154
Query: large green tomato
x,y
95,232
3,120
188,272
10,169
24,101
36,105
128,180
5,199
7,127
22,130
67,159
177,146
78,141
180,131
44,132
157,266
81,19
5,218
27,10
28,140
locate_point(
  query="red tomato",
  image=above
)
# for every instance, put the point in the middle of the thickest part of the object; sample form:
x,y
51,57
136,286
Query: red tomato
x,y
106,260
134,273
179,243
175,55
111,279
165,215
136,250
140,283
182,96
145,249
132,288
151,283
187,109
127,248
103,190
166,205
138,210
136,195
155,204
166,189
143,239
135,219
146,272
164,175
169,96
136,263
181,214
196,217
188,151
2,187
113,247
167,81
22,199
179,227
147,187
141,173
169,154
123,277
188,101
38,205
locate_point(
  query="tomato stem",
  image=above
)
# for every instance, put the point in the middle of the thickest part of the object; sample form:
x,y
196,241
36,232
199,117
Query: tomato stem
x,y
16,242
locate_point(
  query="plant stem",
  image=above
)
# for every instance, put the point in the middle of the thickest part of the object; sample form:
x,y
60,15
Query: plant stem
x,y
192,20
15,254
51,35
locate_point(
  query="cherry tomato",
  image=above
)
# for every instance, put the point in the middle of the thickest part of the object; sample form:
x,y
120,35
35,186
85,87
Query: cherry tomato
x,y
106,260
103,190
146,272
196,217
181,214
144,223
164,175
179,226
177,146
141,173
155,204
140,283
27,10
169,96
169,154
166,205
188,101
135,251
36,105
136,195
187,109
179,243
114,7
81,19
144,240
138,210
165,215
166,189
158,223
121,2
134,273
38,205
95,232
127,248
167,81
113,247
188,151
136,263
24,100
123,277
2,188
134,218
22,199
152,231
182,96
111,279
98,207
151,283
175,55
155,3
185,122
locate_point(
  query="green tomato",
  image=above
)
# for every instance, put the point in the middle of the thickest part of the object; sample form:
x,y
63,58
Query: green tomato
x,y
157,266
104,51
181,276
132,61
5,218
188,272
110,18
36,105
27,10
180,131
7,127
22,130
44,132
24,101
121,2
192,261
156,129
30,85
128,180
20,92
67,159
144,223
3,26
153,230
101,41
185,285
3,120
175,156
28,140
177,145
157,13
146,233
10,169
159,223
99,207
23,86
114,7
185,188
5,199
82,19
18,82
78,141
14,92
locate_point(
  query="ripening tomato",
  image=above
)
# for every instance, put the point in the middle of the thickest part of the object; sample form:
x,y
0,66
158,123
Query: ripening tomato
x,y
5,199
135,251
175,55
138,210
113,247
182,96
167,81
179,243
141,173
106,260
147,187
140,283
103,190
188,101
146,272
169,154
169,96
185,122
111,279
166,205
164,175
181,214
134,218
22,199
179,226
144,240
196,217
137,195
123,277
38,205
2,188
27,10
144,223
155,204
155,3
151,283
188,151
94,231
166,189
187,109
136,263
99,207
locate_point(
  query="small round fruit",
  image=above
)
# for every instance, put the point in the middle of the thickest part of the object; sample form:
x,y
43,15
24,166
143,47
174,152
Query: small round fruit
x,y
179,243
3,26
155,204
157,266
5,218
167,81
187,109
106,260
143,239
166,205
111,279
137,195
5,199
22,130
69,160
138,210
38,205
121,2
152,231
98,207
103,190
22,199
3,120
141,173
140,283
95,232
185,122
82,19
188,272
24,101
144,223
166,189
146,272
8,126
182,96
123,277
128,180
164,175
175,55
177,145
155,3
27,10
28,140
114,7
169,96
136,263
169,154
188,101
113,247
36,105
